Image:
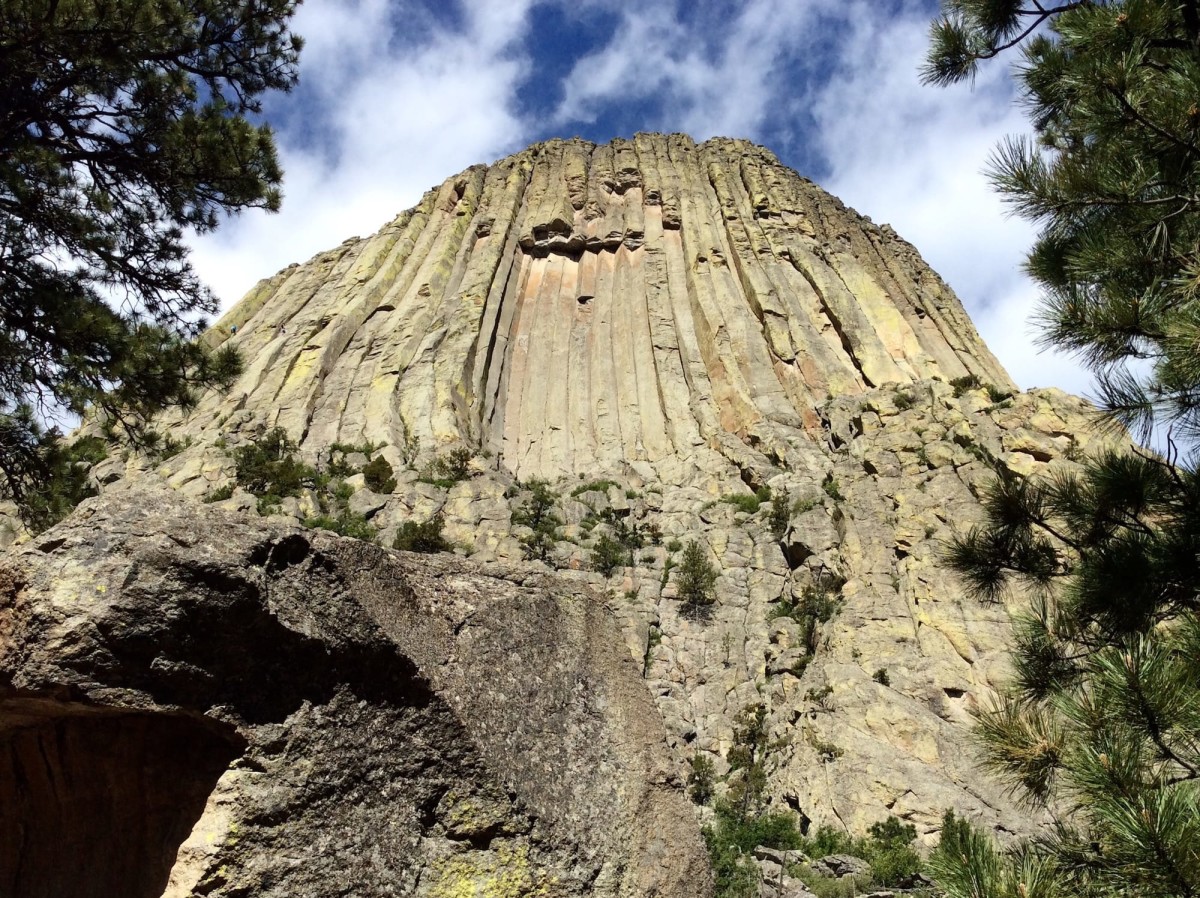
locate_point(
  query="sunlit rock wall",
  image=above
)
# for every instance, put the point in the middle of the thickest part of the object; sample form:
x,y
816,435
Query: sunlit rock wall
x,y
580,308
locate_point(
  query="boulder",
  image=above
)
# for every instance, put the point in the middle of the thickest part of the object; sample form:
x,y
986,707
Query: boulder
x,y
208,703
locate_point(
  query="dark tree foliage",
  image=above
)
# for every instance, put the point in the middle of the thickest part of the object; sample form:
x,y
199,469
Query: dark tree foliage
x,y
607,555
538,513
122,123
423,536
1111,175
379,476
696,582
1101,722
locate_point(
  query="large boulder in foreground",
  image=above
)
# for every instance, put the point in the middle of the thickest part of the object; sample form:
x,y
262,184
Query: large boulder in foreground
x,y
202,703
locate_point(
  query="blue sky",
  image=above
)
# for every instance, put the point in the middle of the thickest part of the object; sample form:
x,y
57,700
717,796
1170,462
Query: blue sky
x,y
396,96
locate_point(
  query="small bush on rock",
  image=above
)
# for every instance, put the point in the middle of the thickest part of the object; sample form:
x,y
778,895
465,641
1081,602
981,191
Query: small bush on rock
x,y
608,555
696,581
344,523
268,468
781,513
378,475
702,779
538,514
425,536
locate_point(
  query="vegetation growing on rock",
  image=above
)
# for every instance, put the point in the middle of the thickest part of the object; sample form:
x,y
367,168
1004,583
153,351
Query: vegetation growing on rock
x,y
1099,720
423,536
696,580
537,512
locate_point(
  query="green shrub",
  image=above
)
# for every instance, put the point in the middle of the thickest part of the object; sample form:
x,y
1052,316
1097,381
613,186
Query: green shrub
x,y
425,536
827,886
956,831
62,479
593,486
903,400
802,505
267,467
344,523
338,467
740,822
608,554
747,759
749,504
696,581
881,677
781,513
368,448
829,840
378,475
449,469
538,513
826,751
731,839
163,446
220,493
702,779
962,384
832,489
893,861
822,698
818,604
653,641
268,504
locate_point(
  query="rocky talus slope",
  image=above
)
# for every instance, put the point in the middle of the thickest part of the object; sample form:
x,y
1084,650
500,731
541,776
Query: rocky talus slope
x,y
662,331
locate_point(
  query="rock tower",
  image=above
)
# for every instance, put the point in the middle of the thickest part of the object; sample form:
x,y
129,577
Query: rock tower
x,y
678,344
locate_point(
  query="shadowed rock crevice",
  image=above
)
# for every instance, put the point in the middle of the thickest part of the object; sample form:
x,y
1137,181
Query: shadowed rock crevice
x,y
94,802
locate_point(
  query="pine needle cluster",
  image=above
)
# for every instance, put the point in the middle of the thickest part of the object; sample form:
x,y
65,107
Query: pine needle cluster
x,y
1111,176
123,125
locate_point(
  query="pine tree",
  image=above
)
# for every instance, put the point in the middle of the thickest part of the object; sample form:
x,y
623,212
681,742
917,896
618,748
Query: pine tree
x,y
1112,176
696,581
124,122
1101,722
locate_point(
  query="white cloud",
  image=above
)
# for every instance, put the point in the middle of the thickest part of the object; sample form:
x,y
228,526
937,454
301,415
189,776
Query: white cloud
x,y
707,87
386,122
913,156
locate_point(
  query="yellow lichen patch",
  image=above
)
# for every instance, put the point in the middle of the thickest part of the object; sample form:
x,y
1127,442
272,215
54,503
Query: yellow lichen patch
x,y
504,872
305,364
470,815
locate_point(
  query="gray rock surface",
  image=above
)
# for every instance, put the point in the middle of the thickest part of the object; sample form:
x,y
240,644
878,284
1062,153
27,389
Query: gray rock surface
x,y
320,715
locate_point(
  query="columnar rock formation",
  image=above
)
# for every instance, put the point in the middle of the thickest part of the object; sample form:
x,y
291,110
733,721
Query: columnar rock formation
x,y
658,329
578,308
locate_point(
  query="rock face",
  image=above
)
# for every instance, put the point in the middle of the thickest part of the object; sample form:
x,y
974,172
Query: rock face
x,y
397,724
598,309
662,331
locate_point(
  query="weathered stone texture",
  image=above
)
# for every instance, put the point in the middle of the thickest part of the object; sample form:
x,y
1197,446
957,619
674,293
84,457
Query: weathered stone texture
x,y
398,724
581,309
655,327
